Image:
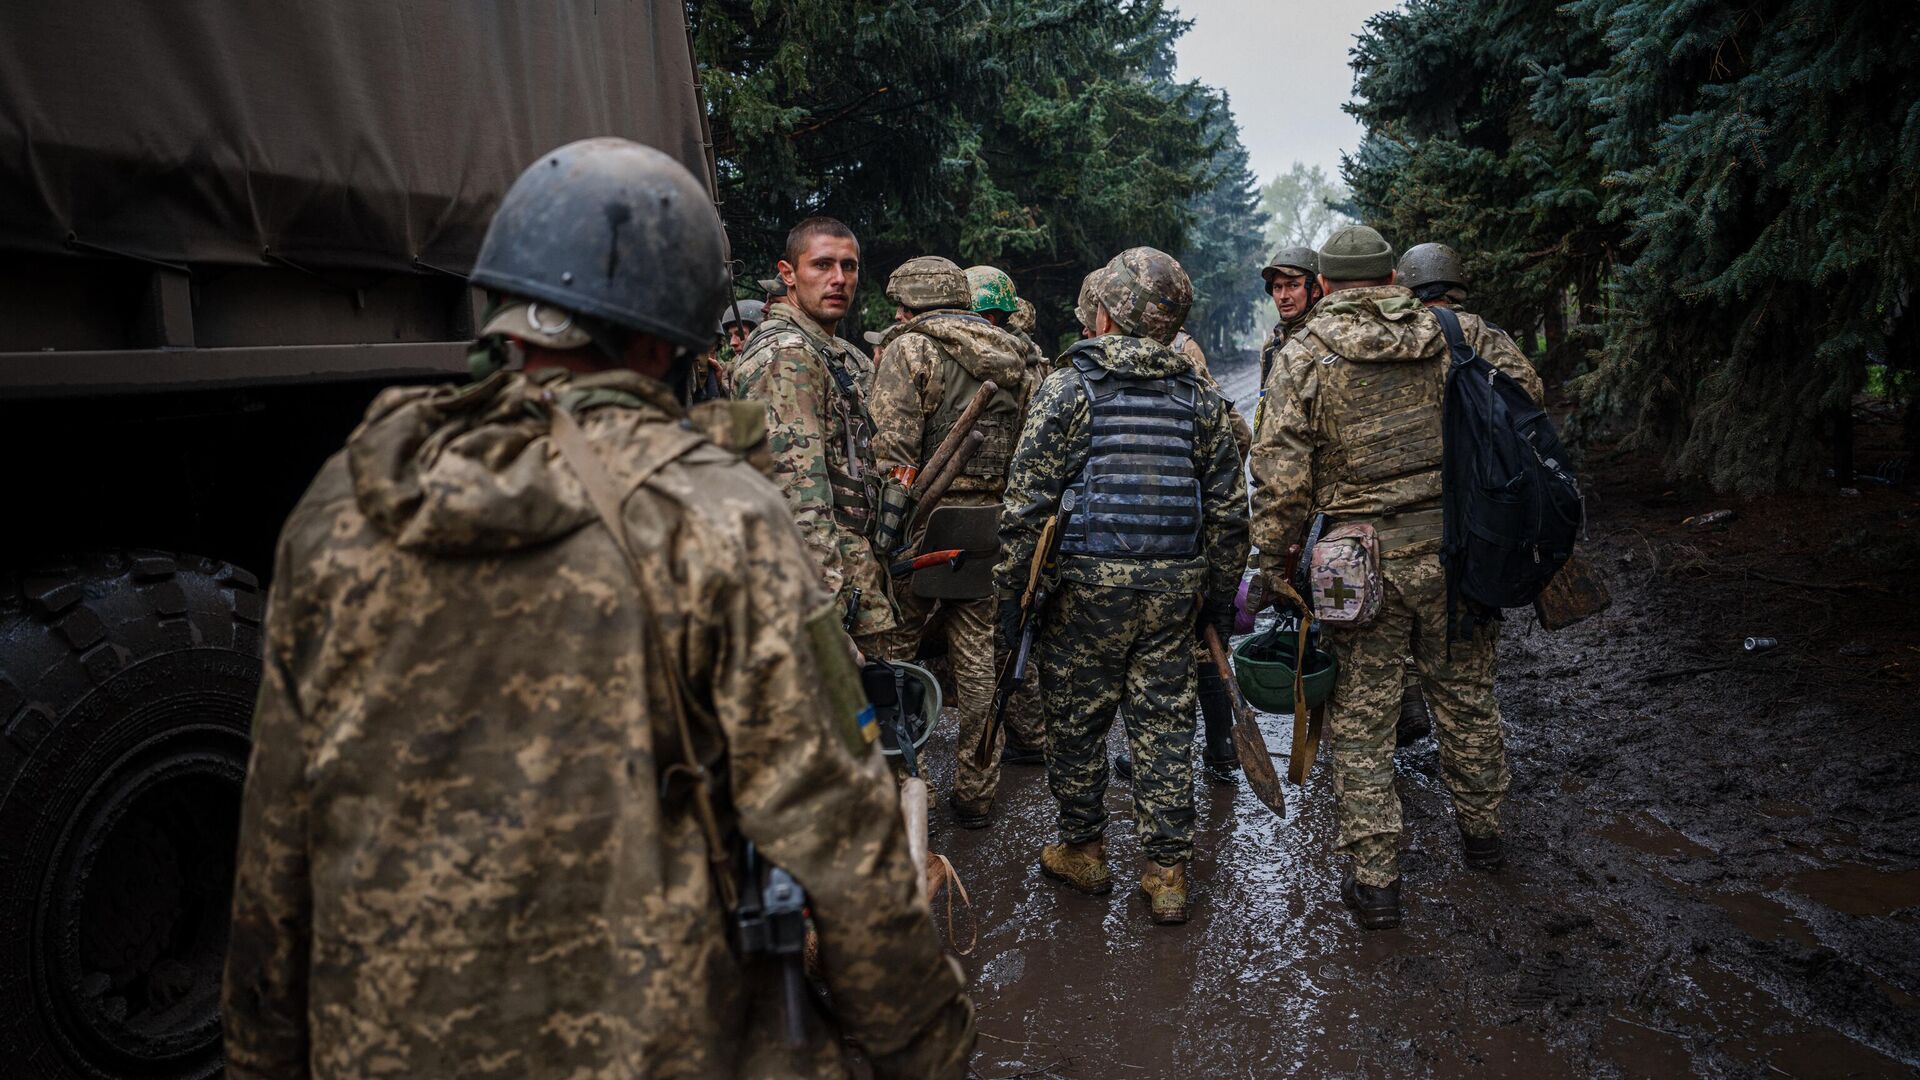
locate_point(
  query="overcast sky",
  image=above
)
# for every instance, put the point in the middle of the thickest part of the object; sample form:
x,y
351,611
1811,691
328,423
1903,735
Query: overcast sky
x,y
1283,63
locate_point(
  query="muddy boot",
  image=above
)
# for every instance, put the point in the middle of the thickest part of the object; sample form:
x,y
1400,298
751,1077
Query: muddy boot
x,y
1482,852
1123,766
1218,757
1016,752
1078,866
970,817
1166,889
1414,723
1374,909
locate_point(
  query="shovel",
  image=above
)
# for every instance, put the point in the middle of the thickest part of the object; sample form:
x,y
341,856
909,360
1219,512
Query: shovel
x,y
1255,761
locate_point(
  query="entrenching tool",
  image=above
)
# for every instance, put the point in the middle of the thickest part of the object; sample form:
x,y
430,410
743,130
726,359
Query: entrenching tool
x,y
949,472
925,485
1255,760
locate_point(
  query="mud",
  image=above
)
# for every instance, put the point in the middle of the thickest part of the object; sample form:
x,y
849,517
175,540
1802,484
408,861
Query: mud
x,y
1713,868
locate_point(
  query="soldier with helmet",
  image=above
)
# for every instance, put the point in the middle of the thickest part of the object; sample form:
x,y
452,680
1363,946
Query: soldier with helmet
x,y
1434,274
819,432
935,362
1352,430
542,660
1132,455
1291,281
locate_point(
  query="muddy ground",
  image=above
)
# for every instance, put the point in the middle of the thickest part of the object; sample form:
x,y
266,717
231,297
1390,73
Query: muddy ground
x,y
1714,858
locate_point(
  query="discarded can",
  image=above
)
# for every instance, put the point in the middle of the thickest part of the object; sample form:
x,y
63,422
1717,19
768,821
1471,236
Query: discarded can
x,y
1714,517
1761,644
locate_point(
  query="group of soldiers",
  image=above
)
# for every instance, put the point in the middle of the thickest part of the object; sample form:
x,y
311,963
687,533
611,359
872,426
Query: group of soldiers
x,y
553,656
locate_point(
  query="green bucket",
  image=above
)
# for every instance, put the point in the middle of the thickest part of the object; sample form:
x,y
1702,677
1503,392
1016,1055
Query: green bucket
x,y
1263,665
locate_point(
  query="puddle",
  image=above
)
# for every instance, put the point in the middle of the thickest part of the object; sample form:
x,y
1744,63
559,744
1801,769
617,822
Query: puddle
x,y
1642,833
1859,890
1763,918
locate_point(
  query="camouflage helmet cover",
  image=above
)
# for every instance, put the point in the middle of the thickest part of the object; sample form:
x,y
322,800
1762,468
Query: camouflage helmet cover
x,y
928,282
1089,297
1429,264
992,290
1146,293
1293,260
1024,317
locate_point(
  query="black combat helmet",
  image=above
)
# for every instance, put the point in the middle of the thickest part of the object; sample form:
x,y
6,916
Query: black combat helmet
x,y
1431,264
611,230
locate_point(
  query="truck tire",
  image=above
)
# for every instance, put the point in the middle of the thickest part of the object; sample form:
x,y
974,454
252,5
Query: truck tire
x,y
127,683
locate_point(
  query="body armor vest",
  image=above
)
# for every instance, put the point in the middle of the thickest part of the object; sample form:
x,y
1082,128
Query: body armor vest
x,y
1388,417
1139,493
999,422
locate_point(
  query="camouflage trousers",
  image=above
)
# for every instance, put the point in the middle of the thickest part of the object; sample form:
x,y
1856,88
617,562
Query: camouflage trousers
x,y
1104,648
1365,705
966,627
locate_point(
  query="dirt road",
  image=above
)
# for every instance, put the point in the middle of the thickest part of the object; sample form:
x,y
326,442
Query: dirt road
x,y
1714,860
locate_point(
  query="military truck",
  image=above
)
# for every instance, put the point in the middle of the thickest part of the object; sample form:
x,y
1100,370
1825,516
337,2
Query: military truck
x,y
223,227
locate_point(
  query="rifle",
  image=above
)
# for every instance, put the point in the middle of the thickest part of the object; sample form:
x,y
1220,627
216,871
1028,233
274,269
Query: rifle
x,y
1013,669
771,920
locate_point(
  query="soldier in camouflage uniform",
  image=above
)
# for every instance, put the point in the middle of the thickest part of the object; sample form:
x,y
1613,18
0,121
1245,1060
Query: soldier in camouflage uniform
x,y
1137,455
814,386
1290,281
469,842
1352,429
934,363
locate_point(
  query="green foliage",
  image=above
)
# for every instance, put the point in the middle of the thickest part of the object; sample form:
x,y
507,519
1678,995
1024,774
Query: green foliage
x,y
1302,206
1039,136
1729,189
1222,249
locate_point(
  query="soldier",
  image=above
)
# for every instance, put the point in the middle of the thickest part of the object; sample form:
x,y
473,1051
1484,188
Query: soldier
x,y
1352,429
1023,323
814,386
935,362
1135,454
1434,274
523,637
1291,282
737,323
1084,306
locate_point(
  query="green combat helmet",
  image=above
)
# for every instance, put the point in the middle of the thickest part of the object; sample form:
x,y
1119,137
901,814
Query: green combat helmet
x,y
1024,318
1146,293
1356,253
1263,666
1433,271
927,282
992,290
1089,293
1295,259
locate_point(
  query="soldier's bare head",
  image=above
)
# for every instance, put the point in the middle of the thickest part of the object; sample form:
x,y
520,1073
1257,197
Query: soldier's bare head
x,y
821,269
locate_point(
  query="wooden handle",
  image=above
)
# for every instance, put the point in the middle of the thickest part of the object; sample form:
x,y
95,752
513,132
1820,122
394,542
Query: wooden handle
x,y
949,472
950,447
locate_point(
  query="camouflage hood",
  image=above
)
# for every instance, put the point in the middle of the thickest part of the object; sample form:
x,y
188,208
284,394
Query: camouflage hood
x,y
467,470
1142,357
985,350
1377,324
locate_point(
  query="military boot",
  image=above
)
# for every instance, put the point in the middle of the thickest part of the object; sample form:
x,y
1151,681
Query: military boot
x,y
1216,712
1166,890
1016,752
1374,909
1482,852
968,816
1078,866
1414,722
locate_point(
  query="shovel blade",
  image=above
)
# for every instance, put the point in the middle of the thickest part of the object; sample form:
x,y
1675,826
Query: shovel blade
x,y
1256,762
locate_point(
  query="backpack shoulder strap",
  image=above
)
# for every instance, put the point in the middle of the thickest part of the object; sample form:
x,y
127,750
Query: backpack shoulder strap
x,y
1457,342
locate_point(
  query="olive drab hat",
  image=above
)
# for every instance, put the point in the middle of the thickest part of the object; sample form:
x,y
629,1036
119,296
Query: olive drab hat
x,y
1024,317
928,282
1356,253
748,312
1431,264
1146,293
992,290
1292,260
549,326
610,230
1089,291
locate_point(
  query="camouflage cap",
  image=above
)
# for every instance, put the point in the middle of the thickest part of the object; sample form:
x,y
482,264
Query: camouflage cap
x,y
1024,317
1146,293
927,282
1293,260
1431,264
992,289
1089,292
1356,253
546,325
774,287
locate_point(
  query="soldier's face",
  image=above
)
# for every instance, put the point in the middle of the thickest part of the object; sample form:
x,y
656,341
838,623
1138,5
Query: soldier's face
x,y
1289,294
736,336
822,283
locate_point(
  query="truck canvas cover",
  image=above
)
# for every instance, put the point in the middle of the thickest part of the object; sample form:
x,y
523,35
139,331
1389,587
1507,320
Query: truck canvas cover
x,y
345,134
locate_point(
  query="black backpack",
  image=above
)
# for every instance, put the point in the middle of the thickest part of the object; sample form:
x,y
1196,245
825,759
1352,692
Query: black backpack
x,y
1510,507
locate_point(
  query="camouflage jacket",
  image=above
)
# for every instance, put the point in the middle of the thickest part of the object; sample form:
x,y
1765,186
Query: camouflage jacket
x,y
930,368
1351,420
461,852
820,434
1053,450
